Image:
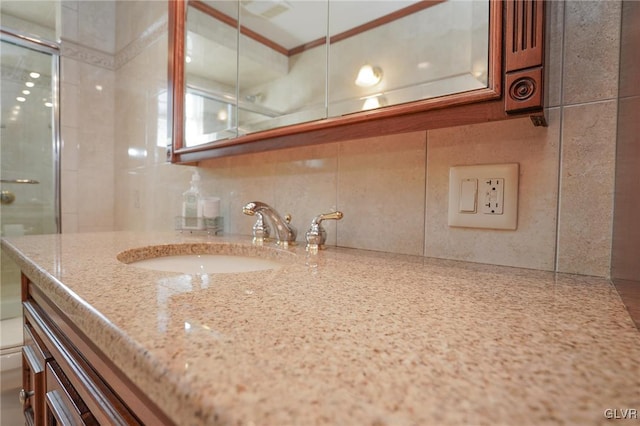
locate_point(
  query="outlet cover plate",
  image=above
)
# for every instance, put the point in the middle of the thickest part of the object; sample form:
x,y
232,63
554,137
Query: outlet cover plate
x,y
484,173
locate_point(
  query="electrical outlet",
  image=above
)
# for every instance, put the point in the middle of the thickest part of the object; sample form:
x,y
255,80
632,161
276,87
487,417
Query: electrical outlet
x,y
484,196
493,196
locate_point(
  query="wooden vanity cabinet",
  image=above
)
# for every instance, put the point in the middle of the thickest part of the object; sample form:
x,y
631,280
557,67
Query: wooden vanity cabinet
x,y
67,380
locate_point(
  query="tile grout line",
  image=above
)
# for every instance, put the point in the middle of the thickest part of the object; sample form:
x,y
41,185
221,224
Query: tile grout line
x,y
556,262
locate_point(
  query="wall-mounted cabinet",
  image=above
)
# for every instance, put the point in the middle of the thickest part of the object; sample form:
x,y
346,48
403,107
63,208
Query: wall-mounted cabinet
x,y
248,76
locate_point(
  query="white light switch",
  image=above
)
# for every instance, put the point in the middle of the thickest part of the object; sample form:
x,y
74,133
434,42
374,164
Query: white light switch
x,y
484,196
468,195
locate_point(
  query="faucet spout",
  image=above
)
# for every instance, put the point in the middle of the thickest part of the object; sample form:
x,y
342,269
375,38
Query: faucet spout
x,y
285,232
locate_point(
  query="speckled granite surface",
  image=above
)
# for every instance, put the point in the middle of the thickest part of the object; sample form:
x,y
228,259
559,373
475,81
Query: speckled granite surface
x,y
347,337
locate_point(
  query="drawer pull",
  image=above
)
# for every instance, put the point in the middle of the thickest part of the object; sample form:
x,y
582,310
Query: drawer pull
x,y
24,396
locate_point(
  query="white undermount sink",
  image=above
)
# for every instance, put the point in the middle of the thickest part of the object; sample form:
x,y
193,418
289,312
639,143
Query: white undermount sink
x,y
206,258
207,264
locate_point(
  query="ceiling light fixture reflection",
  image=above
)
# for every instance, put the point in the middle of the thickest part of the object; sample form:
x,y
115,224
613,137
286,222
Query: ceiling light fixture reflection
x,y
21,99
29,84
48,104
25,92
373,102
187,59
34,75
368,76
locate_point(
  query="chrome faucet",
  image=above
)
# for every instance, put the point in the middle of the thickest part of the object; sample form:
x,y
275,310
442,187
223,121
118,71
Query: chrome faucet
x,y
285,233
316,235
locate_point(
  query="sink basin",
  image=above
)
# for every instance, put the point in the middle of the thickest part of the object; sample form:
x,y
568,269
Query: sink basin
x,y
206,258
207,264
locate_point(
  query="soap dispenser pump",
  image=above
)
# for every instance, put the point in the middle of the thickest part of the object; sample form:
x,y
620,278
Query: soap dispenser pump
x,y
191,205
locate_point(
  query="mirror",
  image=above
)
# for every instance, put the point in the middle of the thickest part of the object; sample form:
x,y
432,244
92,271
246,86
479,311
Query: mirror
x,y
211,69
250,75
394,52
283,61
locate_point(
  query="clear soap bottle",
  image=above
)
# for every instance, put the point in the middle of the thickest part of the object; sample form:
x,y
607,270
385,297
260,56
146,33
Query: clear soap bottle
x,y
191,205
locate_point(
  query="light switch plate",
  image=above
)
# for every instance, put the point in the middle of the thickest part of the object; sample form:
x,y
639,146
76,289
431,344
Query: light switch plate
x,y
497,207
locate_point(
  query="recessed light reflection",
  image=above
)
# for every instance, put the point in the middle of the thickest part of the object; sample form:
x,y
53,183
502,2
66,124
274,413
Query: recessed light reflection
x,y
48,104
34,75
29,84
26,92
98,88
20,99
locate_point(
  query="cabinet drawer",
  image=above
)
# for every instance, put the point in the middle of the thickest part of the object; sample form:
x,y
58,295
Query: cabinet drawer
x,y
63,404
34,359
32,340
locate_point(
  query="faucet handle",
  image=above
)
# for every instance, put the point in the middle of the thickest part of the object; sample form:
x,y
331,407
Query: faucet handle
x,y
316,235
260,229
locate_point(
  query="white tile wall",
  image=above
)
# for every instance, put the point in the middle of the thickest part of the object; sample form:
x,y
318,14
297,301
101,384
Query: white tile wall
x,y
87,108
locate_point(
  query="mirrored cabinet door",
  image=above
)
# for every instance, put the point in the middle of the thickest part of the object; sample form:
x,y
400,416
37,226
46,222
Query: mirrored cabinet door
x,y
393,52
211,72
282,74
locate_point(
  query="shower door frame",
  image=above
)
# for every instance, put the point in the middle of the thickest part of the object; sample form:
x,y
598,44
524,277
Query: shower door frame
x,y
48,47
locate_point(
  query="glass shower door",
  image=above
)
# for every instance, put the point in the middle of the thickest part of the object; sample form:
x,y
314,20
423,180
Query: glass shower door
x,y
28,159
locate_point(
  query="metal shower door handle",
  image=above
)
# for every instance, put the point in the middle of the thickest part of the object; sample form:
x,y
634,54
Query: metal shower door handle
x,y
31,181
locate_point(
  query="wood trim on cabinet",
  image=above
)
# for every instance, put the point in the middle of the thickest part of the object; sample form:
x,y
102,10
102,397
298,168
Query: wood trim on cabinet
x,y
524,55
176,83
524,43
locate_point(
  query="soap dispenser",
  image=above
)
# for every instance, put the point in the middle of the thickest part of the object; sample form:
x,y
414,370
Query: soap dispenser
x,y
192,206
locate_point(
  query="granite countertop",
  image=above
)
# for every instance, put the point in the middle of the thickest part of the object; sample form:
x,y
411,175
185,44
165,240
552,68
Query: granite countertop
x,y
347,337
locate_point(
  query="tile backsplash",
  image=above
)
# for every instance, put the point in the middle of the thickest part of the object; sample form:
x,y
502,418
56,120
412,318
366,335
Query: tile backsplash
x,y
393,190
